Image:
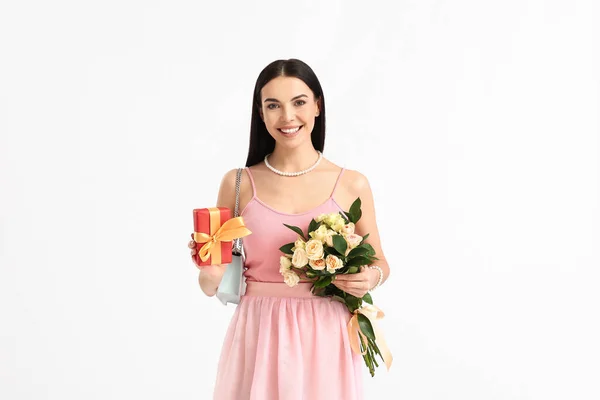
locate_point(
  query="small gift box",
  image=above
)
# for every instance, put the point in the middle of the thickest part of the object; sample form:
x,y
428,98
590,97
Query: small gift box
x,y
214,231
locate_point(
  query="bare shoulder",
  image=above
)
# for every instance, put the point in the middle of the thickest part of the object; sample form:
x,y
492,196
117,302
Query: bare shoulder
x,y
356,183
353,184
357,186
226,197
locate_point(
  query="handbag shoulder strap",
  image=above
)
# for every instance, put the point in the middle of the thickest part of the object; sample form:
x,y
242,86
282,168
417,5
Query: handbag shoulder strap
x,y
237,243
238,180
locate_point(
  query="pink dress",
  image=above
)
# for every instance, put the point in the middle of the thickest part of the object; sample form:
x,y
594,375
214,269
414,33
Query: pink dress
x,y
285,343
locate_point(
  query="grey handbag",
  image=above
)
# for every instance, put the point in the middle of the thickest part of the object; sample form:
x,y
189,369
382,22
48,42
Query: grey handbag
x,y
233,283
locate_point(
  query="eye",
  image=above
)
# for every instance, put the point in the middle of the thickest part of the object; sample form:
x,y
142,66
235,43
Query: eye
x,y
300,102
271,106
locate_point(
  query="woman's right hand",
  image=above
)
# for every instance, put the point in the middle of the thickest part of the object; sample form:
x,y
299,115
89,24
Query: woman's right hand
x,y
210,276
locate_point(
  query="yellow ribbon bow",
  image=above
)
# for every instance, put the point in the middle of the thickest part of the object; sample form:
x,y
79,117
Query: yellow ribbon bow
x,y
233,228
372,313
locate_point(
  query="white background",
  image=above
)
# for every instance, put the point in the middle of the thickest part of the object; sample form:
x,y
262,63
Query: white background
x,y
476,123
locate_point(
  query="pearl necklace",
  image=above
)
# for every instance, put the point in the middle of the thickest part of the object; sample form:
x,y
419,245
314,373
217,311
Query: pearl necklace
x,y
293,173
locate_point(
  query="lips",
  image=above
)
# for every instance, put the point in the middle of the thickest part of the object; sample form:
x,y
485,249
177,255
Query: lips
x,y
290,131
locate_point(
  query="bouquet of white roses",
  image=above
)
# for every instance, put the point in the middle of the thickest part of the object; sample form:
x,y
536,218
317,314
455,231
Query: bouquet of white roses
x,y
331,247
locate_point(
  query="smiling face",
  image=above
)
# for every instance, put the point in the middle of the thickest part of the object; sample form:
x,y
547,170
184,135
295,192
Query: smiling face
x,y
288,109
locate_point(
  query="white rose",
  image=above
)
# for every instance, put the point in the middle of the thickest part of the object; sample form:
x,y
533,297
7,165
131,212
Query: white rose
x,y
353,240
318,265
348,229
319,233
284,264
321,217
338,224
333,263
299,244
291,278
299,259
333,218
329,237
314,249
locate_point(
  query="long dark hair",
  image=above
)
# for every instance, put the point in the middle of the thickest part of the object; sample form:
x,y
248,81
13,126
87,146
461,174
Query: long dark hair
x,y
261,142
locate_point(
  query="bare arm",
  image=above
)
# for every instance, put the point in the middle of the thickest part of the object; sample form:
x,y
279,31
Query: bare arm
x,y
368,223
210,276
359,284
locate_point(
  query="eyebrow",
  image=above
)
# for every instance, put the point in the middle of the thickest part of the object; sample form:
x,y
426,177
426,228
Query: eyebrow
x,y
293,98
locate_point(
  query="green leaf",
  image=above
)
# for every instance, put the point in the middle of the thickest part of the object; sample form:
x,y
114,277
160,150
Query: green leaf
x,y
352,302
367,298
370,249
355,211
353,270
365,326
364,238
324,281
331,250
310,274
313,226
358,261
297,230
287,248
339,243
358,251
319,273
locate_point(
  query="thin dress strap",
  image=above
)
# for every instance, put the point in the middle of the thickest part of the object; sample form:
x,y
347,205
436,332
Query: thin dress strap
x,y
252,182
337,181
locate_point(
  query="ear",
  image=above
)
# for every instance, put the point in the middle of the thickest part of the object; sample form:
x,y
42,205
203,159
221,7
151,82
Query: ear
x,y
318,107
261,114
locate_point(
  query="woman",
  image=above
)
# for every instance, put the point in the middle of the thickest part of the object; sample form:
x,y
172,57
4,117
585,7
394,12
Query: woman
x,y
284,343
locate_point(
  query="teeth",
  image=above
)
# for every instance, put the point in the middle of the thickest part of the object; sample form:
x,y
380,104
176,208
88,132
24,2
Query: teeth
x,y
290,130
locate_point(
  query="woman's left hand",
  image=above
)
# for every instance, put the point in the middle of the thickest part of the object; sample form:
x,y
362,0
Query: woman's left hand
x,y
357,284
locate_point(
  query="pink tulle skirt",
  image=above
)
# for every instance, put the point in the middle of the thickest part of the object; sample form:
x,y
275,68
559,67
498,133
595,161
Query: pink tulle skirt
x,y
286,344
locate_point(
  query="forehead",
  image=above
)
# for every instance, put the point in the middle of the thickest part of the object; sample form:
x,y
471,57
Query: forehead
x,y
283,88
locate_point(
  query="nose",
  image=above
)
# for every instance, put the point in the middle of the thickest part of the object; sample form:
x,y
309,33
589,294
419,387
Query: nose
x,y
287,114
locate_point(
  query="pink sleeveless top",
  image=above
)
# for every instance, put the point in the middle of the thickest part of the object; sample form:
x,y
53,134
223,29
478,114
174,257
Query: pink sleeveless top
x,y
261,248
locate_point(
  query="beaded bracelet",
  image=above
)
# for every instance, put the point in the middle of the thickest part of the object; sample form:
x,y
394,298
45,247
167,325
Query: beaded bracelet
x,y
380,275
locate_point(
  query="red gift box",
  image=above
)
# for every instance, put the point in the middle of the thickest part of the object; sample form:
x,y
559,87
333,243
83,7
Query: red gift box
x,y
208,221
